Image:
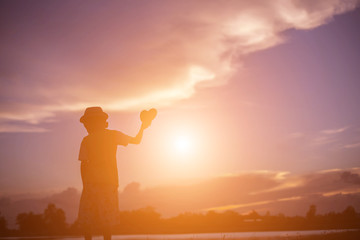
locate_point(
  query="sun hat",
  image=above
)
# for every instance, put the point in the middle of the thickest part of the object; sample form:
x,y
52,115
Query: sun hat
x,y
93,112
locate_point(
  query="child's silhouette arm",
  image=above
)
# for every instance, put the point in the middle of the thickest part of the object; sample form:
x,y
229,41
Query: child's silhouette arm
x,y
138,137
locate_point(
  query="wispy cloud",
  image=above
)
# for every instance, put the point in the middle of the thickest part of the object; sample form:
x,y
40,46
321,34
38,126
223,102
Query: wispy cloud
x,y
296,135
120,69
7,127
236,206
328,136
252,204
322,140
237,191
350,177
288,184
342,192
232,192
353,145
334,131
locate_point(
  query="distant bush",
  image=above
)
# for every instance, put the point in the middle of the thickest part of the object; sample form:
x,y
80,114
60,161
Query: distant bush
x,y
3,225
51,222
147,221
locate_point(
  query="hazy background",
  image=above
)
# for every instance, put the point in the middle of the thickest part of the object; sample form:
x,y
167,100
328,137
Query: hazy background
x,y
257,102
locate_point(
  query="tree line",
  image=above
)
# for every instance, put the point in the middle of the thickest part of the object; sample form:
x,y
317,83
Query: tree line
x,y
147,221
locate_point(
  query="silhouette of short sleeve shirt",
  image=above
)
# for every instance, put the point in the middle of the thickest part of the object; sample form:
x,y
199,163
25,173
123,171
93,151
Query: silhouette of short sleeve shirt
x,y
98,156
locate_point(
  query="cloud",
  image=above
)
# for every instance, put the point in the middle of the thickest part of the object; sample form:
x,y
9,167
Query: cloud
x,y
296,135
330,190
329,136
243,192
350,177
334,131
8,127
354,145
322,140
128,57
253,204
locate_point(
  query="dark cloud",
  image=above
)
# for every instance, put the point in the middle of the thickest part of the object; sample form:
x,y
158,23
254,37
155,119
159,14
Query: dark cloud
x,y
262,191
350,177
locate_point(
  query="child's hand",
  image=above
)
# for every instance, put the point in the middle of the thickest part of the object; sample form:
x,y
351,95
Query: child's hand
x,y
147,117
145,124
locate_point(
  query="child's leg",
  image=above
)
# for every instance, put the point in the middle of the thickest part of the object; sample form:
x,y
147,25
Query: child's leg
x,y
87,232
107,233
87,236
107,236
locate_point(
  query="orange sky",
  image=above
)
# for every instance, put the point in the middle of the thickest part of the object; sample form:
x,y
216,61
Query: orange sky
x,y
246,86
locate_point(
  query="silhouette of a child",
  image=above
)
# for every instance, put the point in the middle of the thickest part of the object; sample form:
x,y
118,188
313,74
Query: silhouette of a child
x,y
99,199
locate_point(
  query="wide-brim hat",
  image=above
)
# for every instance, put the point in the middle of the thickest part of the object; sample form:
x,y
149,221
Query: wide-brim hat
x,y
93,113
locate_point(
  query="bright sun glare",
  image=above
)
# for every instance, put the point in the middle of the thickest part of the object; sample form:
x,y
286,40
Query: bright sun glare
x,y
182,144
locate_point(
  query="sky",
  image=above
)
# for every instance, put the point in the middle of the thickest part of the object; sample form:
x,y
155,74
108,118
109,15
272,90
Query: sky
x,y
240,86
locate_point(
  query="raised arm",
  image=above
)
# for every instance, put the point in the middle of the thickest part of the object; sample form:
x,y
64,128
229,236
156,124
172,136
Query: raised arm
x,y
146,118
138,137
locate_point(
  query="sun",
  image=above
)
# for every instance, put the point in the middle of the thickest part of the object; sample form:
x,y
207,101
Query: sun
x,y
183,144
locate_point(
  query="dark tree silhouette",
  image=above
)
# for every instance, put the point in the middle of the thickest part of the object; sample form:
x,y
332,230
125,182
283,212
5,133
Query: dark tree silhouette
x,y
311,213
253,215
3,225
349,217
148,221
54,219
144,220
51,222
30,223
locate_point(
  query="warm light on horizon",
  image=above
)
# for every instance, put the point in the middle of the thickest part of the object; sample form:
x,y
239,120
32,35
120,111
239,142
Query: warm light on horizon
x,y
256,111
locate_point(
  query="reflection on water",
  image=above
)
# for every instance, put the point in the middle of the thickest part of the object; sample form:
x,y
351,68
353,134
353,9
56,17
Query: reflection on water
x,y
221,236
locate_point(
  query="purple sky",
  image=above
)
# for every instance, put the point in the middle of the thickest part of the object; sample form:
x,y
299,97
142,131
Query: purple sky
x,y
284,103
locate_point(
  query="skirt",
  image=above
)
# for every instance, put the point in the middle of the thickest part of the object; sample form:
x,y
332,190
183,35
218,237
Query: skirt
x,y
98,206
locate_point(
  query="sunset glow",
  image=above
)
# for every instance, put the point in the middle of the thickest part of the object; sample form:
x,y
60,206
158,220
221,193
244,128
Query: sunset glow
x,y
257,104
183,144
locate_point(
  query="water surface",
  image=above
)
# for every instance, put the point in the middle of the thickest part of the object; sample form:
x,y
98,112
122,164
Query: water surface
x,y
220,236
